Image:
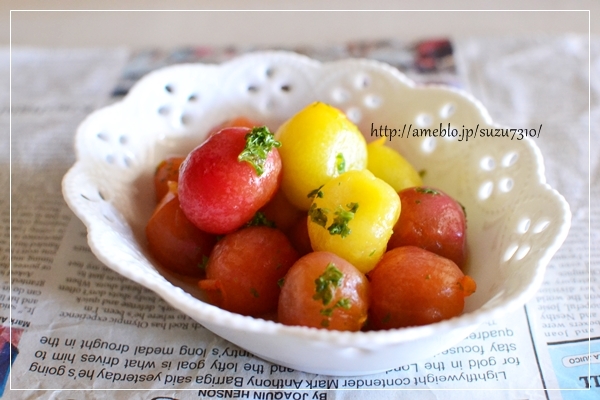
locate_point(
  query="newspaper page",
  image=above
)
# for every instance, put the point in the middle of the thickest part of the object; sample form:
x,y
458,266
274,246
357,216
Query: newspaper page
x,y
564,313
76,329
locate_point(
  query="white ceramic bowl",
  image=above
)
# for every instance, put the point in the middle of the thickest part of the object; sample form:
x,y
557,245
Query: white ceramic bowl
x,y
516,222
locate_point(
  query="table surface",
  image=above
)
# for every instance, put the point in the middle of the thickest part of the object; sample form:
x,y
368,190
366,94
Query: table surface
x,y
508,76
312,22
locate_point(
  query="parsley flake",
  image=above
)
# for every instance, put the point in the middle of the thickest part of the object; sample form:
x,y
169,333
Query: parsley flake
x,y
341,219
315,193
259,143
426,190
202,265
342,303
326,311
340,163
325,284
386,318
463,209
260,219
318,215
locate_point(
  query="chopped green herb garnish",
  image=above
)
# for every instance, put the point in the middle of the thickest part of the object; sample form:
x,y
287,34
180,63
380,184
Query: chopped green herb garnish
x,y
326,311
260,219
316,193
340,163
342,303
386,318
204,262
325,284
463,208
318,215
259,143
426,190
341,219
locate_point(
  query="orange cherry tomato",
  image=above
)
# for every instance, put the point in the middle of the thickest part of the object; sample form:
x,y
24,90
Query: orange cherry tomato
x,y
411,286
299,237
174,241
244,269
323,290
432,220
281,212
167,171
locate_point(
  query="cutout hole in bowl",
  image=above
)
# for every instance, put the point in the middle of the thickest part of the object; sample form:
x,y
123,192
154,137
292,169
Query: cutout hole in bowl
x,y
485,190
185,119
164,110
510,159
447,110
506,184
428,145
373,101
354,114
524,225
362,81
541,226
340,95
487,163
424,120
510,251
522,251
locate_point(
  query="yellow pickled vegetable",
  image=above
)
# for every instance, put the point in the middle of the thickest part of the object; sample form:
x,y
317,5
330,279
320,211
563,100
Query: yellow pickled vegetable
x,y
387,164
317,144
352,216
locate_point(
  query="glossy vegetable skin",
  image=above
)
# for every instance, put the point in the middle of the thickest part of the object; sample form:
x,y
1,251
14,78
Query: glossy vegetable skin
x,y
219,192
322,290
411,287
174,241
283,214
244,269
432,220
352,216
317,144
238,122
389,165
167,171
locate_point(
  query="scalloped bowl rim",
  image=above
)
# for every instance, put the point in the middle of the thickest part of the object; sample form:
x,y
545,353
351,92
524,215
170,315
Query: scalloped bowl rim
x,y
373,339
